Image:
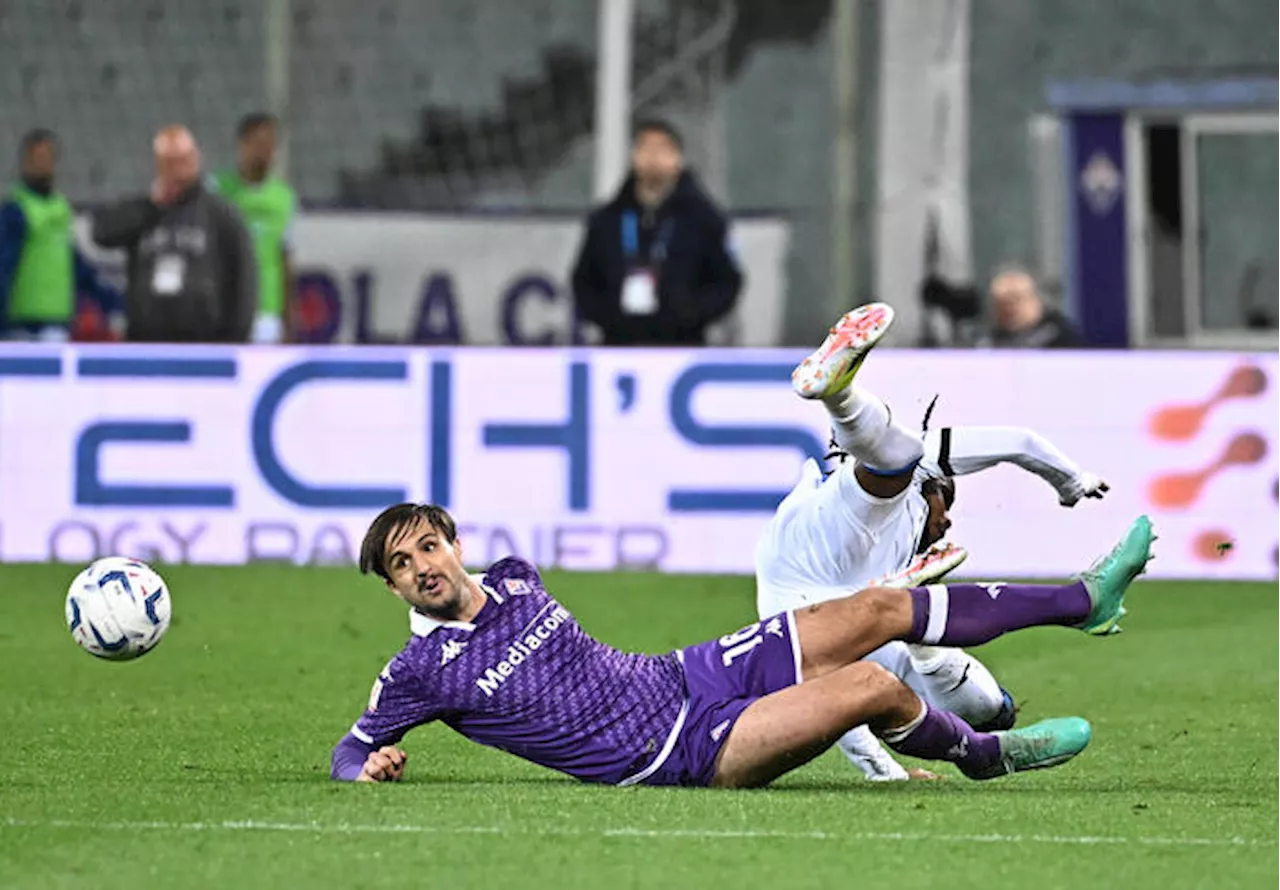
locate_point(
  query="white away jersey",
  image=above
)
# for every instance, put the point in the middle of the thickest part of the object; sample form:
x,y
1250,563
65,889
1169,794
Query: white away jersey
x,y
828,538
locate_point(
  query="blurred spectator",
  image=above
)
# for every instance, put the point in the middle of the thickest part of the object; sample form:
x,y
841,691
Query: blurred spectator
x,y
1021,320
41,269
192,275
655,266
267,205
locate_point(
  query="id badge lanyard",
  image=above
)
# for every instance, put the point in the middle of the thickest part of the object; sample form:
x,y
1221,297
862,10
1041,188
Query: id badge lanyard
x,y
631,240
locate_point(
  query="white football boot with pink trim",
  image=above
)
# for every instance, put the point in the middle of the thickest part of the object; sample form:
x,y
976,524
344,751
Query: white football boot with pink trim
x,y
933,565
832,366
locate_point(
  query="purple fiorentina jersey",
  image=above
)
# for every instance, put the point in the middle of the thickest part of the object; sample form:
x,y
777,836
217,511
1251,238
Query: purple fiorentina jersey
x,y
525,678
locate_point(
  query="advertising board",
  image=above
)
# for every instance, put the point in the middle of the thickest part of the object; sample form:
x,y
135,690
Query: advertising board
x,y
598,459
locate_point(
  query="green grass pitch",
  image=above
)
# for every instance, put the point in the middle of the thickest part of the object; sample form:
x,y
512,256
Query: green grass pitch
x,y
205,764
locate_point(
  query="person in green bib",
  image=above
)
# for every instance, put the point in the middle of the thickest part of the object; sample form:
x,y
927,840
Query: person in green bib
x,y
41,268
267,204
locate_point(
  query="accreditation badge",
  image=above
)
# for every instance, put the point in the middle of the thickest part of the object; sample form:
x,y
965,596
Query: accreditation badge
x,y
169,274
640,293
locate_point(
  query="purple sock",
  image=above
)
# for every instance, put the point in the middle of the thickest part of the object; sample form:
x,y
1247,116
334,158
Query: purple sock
x,y
941,735
971,614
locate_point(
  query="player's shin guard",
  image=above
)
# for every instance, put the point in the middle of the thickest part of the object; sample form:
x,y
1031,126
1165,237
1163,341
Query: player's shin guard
x,y
939,735
957,682
864,427
972,614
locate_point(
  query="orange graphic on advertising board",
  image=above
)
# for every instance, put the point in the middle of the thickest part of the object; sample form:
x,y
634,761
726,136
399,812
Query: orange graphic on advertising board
x,y
1214,544
1179,490
1175,491
1181,422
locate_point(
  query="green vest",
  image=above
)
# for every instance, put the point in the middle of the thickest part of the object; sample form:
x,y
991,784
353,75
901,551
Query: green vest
x,y
267,209
43,288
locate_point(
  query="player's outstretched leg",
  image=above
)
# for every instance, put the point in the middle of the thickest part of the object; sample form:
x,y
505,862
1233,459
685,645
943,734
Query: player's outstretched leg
x,y
970,614
839,632
782,731
861,423
983,755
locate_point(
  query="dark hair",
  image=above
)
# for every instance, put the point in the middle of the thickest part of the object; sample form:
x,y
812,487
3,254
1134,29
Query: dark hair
x,y
658,125
252,121
395,521
940,485
32,138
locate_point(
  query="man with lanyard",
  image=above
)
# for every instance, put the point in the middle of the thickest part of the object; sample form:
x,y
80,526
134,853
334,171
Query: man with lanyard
x,y
655,268
267,204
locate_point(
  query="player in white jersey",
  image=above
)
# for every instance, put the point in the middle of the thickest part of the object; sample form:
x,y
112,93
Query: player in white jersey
x,y
876,518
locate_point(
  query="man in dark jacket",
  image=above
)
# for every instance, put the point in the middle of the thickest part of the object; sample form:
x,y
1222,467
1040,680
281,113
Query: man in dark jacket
x,y
655,267
191,268
1021,320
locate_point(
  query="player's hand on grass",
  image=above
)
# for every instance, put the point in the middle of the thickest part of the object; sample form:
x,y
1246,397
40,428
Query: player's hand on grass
x,y
923,775
1086,485
384,765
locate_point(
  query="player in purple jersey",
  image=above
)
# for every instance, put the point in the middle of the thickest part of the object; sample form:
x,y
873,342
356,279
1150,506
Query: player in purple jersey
x,y
496,658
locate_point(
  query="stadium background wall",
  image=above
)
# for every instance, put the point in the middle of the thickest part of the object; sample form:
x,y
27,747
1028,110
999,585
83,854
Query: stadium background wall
x,y
476,279
599,459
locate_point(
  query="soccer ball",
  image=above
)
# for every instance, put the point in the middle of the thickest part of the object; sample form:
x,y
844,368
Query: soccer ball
x,y
118,608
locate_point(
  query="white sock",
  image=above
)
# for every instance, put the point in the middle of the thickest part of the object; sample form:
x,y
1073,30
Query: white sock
x,y
866,753
864,427
955,681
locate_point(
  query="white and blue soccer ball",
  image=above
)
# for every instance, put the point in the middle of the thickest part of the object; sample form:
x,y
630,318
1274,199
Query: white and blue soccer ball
x,y
118,608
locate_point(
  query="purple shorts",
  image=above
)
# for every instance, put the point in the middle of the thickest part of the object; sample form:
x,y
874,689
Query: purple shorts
x,y
722,678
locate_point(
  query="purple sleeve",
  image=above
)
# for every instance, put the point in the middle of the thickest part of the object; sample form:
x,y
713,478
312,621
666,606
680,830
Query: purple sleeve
x,y
398,702
349,756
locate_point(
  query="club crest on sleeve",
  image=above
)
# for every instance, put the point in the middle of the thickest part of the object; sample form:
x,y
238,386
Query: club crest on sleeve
x,y
516,586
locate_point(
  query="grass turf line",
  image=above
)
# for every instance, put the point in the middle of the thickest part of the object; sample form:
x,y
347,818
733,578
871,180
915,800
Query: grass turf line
x,y
230,722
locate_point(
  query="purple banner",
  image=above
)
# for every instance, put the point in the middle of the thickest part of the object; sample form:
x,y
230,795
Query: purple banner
x,y
1098,279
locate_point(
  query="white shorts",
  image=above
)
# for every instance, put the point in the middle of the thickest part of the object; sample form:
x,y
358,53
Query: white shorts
x,y
828,538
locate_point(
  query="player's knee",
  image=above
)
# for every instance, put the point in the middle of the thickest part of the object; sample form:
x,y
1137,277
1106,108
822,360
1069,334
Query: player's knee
x,y
875,678
896,705
877,691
